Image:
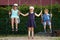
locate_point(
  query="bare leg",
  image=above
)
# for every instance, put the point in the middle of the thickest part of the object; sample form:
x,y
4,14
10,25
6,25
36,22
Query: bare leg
x,y
29,31
32,32
16,24
12,23
45,28
44,24
50,29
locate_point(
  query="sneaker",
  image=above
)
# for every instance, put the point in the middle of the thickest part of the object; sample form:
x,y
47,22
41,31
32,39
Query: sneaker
x,y
12,29
50,31
16,29
45,32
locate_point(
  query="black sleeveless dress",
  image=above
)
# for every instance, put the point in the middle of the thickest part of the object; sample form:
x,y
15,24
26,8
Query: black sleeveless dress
x,y
31,20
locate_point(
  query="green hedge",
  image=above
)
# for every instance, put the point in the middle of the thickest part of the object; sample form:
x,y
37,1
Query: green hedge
x,y
5,26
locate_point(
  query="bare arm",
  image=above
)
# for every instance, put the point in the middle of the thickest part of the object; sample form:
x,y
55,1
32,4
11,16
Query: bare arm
x,y
23,14
38,14
20,13
9,12
51,15
26,14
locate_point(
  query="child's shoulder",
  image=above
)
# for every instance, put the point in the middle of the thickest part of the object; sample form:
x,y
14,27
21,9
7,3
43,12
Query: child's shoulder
x,y
29,12
48,14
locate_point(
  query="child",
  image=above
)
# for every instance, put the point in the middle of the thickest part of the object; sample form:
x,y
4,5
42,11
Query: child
x,y
46,17
14,16
31,21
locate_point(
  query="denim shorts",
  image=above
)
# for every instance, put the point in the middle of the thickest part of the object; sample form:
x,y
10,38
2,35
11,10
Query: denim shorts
x,y
47,23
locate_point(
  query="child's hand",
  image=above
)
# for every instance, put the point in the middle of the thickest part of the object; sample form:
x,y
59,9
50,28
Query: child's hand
x,y
51,15
9,13
24,14
40,13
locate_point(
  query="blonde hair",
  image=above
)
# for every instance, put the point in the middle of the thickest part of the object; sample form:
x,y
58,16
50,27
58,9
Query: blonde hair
x,y
46,10
31,7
